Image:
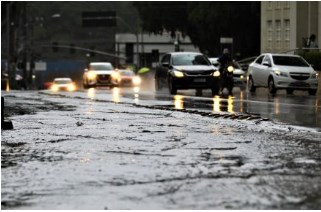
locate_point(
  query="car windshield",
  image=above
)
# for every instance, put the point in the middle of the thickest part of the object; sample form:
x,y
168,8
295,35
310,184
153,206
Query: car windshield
x,y
126,72
289,61
101,67
62,81
189,59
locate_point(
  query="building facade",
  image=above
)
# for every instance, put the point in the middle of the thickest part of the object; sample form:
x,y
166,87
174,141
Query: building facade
x,y
286,25
145,49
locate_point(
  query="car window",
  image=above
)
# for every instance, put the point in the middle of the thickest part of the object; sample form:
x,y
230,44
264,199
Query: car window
x,y
126,72
101,67
267,59
289,61
190,59
62,81
259,60
166,59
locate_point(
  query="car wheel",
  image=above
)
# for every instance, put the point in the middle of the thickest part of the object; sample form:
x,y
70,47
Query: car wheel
x,y
172,87
271,86
289,91
312,92
251,85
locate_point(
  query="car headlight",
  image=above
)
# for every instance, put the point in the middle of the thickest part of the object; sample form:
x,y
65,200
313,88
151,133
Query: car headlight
x,y
178,74
91,75
54,88
230,69
115,75
137,80
280,73
241,77
216,74
71,87
315,76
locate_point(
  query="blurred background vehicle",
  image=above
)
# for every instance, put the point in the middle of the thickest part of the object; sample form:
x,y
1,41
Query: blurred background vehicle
x,y
128,78
239,75
282,71
63,84
186,70
100,74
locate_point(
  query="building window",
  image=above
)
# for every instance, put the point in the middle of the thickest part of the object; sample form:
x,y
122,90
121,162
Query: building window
x,y
269,35
287,5
269,5
287,34
278,34
278,5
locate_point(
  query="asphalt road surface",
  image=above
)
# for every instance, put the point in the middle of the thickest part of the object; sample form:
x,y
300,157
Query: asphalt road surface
x,y
100,150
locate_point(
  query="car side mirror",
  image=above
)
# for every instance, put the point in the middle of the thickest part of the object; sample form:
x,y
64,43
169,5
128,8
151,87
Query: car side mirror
x,y
165,64
266,64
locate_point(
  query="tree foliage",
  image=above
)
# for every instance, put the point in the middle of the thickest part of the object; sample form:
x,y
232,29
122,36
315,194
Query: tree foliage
x,y
205,22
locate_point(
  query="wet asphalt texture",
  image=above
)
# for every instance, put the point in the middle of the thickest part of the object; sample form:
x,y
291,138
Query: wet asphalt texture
x,y
78,153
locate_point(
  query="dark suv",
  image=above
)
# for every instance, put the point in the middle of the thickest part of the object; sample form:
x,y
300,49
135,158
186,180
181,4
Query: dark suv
x,y
186,70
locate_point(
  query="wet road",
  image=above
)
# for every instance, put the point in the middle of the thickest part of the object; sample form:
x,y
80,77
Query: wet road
x,y
298,109
90,151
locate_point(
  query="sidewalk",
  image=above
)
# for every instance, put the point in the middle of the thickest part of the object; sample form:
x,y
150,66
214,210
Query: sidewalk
x,y
87,154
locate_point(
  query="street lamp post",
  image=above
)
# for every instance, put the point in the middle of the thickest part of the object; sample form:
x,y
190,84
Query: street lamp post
x,y
137,39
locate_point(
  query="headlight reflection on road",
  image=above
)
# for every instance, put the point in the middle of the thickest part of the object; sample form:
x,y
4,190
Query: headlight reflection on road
x,y
216,104
136,94
241,101
91,93
116,95
230,104
178,102
276,106
220,104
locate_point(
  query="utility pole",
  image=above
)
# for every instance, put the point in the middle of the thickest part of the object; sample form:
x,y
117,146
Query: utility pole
x,y
10,46
25,44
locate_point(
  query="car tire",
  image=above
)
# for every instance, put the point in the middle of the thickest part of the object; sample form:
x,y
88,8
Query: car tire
x,y
312,92
289,91
172,87
251,85
271,86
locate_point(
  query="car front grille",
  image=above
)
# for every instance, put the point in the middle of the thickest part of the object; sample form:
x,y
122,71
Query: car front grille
x,y
199,73
103,78
300,76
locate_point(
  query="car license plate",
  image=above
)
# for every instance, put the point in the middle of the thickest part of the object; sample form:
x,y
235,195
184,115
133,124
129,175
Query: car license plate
x,y
200,80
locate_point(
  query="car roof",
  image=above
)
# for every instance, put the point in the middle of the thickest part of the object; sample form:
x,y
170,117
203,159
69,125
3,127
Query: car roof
x,y
279,54
183,53
64,78
100,63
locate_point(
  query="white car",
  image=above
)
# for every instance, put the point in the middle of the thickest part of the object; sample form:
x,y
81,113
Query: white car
x,y
100,74
239,75
63,84
282,71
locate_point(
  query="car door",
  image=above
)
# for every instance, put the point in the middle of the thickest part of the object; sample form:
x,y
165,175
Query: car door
x,y
162,69
256,67
265,70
